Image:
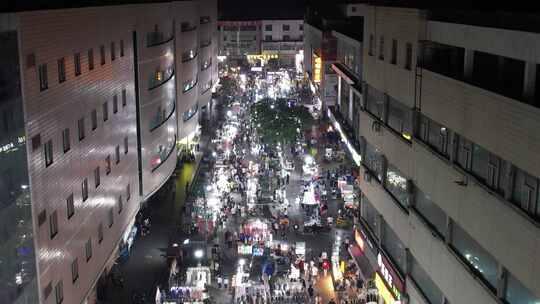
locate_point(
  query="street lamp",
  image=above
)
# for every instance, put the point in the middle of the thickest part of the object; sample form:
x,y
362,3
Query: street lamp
x,y
199,253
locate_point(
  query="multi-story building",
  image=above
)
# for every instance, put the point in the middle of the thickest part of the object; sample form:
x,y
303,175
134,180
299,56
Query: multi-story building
x,y
90,108
449,173
283,39
258,40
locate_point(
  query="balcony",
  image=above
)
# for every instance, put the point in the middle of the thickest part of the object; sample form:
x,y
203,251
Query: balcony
x,y
187,27
189,55
157,38
160,77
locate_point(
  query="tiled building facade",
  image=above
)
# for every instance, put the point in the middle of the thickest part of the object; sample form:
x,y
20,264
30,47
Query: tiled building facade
x,y
90,129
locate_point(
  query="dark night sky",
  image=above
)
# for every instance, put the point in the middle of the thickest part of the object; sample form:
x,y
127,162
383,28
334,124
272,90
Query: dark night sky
x,y
261,9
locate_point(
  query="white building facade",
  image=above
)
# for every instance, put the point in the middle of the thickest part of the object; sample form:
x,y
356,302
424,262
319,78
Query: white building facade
x,y
449,175
91,126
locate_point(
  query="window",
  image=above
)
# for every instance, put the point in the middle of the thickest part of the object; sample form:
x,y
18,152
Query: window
x,y
397,184
400,118
100,233
301,27
128,192
42,73
286,37
61,70
42,217
111,217
432,213
105,111
373,160
124,98
53,224
102,54
70,206
516,293
425,283
268,37
286,27
480,261
371,44
268,27
126,145
59,292
113,51
77,62
66,140
381,48
464,153
90,59
525,192
36,142
108,165
121,48
94,119
394,247
393,60
48,148
408,56
376,102
370,215
75,270
84,187
434,134
88,249
120,203
97,177
81,129
115,104
117,154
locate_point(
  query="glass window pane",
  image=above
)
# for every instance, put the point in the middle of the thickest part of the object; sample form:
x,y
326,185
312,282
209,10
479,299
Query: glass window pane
x,y
485,265
430,290
430,211
400,118
373,160
370,215
396,183
516,293
480,158
394,247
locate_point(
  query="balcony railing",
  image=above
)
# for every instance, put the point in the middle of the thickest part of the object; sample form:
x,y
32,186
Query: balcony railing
x,y
187,27
160,77
157,38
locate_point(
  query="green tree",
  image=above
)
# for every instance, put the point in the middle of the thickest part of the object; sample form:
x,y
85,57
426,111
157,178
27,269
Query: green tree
x,y
277,121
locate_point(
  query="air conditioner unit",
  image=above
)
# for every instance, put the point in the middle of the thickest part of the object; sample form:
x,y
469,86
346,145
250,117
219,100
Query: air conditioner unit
x,y
367,176
376,126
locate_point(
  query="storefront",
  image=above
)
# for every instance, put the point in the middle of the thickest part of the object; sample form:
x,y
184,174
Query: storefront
x,y
357,158
389,284
364,253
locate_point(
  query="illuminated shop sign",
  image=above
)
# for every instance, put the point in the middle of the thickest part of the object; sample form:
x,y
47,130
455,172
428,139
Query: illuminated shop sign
x,y
383,291
12,145
359,239
390,277
317,68
263,56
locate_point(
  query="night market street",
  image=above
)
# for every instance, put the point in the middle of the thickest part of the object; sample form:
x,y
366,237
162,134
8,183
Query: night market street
x,y
248,221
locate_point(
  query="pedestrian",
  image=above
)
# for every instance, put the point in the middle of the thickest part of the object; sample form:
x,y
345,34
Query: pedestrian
x,y
287,181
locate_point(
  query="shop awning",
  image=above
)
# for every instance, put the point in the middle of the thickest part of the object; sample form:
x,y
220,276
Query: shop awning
x,y
366,270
